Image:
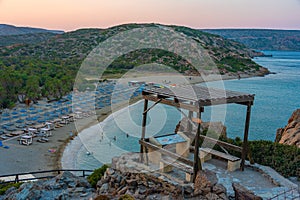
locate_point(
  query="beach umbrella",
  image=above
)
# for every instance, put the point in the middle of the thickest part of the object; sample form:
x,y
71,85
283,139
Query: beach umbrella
x,y
5,114
15,113
32,108
19,121
23,110
24,115
5,118
41,120
15,116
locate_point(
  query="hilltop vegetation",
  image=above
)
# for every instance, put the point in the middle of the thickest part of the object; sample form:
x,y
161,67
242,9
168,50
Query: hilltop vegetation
x,y
34,38
49,68
262,39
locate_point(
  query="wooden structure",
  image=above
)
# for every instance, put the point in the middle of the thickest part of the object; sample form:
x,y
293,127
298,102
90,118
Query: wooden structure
x,y
193,99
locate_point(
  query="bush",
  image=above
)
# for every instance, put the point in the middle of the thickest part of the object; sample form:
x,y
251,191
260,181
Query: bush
x,y
5,186
285,159
96,175
126,197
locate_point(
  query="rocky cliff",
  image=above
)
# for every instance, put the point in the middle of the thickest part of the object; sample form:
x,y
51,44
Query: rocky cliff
x,y
290,134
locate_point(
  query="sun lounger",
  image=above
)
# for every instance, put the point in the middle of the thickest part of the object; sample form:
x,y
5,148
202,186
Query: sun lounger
x,y
26,140
43,140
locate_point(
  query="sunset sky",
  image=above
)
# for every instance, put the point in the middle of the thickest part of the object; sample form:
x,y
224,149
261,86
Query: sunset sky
x,y
74,14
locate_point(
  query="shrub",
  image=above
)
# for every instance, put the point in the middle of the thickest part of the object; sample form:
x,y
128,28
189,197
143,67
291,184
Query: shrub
x,y
285,159
126,197
5,186
96,175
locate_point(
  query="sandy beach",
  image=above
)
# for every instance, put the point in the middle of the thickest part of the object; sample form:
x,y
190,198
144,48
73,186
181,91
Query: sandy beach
x,y
46,156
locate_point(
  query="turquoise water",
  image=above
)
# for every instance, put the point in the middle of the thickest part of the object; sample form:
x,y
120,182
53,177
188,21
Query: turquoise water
x,y
276,97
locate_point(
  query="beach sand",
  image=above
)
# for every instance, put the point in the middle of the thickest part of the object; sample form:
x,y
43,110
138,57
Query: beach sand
x,y
46,156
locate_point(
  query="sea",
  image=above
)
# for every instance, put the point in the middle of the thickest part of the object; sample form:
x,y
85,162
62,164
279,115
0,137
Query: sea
x,y
276,97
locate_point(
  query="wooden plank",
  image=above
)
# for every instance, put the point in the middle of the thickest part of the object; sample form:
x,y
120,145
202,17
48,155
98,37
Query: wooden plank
x,y
221,143
220,154
166,152
197,120
205,96
177,164
172,103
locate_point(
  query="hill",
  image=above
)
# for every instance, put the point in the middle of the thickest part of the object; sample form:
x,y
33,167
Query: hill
x,y
30,38
262,39
49,68
6,29
12,35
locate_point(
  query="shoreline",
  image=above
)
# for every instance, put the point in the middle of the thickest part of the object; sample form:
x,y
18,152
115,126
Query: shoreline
x,y
37,156
105,114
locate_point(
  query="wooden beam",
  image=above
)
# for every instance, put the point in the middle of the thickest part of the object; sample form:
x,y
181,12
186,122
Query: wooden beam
x,y
246,132
197,120
152,106
220,143
172,103
166,152
214,102
190,124
197,162
143,129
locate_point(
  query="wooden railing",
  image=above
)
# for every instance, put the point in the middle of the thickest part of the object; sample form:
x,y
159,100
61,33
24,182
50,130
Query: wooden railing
x,y
41,175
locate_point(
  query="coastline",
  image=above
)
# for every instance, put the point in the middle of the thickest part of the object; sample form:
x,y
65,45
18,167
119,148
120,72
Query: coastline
x,y
106,113
39,156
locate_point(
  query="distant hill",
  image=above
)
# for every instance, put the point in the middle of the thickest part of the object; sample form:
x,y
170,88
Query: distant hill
x,y
49,68
12,35
6,29
262,39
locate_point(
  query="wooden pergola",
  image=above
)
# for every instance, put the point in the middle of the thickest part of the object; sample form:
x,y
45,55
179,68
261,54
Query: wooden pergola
x,y
194,99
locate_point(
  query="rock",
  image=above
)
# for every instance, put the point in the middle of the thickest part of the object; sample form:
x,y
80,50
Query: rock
x,y
241,193
122,190
205,181
290,134
212,196
63,186
219,189
104,188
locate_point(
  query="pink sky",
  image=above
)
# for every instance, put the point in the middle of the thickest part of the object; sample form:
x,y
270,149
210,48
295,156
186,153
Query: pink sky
x,y
74,14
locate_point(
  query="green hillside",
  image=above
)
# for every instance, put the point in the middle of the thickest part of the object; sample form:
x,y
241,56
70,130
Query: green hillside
x,y
48,68
31,38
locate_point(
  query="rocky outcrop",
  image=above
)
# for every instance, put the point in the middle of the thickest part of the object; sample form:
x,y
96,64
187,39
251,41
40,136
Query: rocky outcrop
x,y
115,184
290,134
63,186
206,186
241,193
129,177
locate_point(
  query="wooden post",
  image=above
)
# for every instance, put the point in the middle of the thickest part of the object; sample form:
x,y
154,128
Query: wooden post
x,y
246,132
197,162
189,125
144,129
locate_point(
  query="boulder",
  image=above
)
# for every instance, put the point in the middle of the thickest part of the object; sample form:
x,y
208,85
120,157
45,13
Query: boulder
x,y
290,134
241,193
